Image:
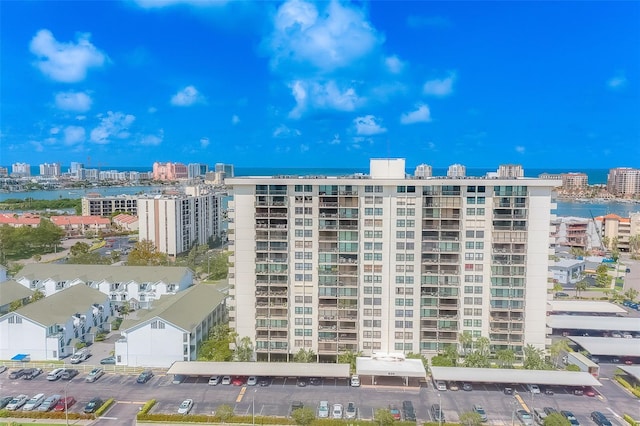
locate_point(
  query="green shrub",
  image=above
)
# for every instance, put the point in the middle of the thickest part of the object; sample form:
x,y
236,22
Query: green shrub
x,y
630,420
104,407
44,415
628,386
146,407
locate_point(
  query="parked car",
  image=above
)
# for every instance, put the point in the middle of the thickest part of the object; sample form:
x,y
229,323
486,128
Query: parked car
x,y
395,412
186,406
214,380
549,410
323,410
408,412
226,380
81,355
34,402
533,388
466,386
145,376
64,403
600,419
110,360
16,374
3,368
252,381
351,412
479,409
69,373
17,402
453,386
238,381
295,405
525,417
355,381
336,411
179,378
589,391
315,381
31,373
569,416
49,403
93,405
55,374
94,375
436,413
4,401
264,381
302,382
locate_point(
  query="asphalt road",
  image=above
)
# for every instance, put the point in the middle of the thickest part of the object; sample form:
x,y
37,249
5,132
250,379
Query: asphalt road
x,y
275,399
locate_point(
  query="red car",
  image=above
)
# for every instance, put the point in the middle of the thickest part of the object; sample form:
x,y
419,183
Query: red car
x,y
238,381
589,391
64,402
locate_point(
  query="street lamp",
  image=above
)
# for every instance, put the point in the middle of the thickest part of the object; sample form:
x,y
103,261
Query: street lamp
x,y
66,402
440,411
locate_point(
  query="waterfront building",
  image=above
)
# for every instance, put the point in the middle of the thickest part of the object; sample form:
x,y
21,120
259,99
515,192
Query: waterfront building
x,y
50,170
423,171
169,171
227,169
616,231
4,171
510,171
196,170
387,262
75,226
575,232
548,176
94,204
624,182
572,181
21,169
75,167
456,170
174,223
125,221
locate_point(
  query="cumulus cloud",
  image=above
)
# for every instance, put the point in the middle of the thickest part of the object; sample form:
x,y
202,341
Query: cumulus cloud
x,y
115,125
152,110
54,130
313,94
421,114
187,97
74,135
204,142
368,125
440,87
152,140
394,64
65,62
617,82
235,119
336,140
73,101
325,40
283,131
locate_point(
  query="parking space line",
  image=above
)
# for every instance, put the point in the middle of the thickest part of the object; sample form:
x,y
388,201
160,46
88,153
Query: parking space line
x,y
521,401
241,394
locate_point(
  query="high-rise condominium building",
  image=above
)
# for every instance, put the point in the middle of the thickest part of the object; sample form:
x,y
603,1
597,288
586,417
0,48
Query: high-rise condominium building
x,y
174,223
624,181
50,170
98,205
510,171
423,171
169,171
575,180
21,169
456,170
386,262
226,168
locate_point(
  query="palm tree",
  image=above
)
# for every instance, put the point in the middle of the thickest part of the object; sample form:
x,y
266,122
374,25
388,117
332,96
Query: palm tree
x,y
580,287
631,294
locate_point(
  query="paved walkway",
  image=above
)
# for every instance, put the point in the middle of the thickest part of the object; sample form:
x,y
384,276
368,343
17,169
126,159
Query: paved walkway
x,y
61,254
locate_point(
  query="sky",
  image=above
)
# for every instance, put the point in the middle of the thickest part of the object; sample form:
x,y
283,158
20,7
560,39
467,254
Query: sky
x,y
320,84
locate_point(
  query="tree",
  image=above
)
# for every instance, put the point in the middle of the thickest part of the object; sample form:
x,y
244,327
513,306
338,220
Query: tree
x,y
483,345
533,358
466,342
244,350
224,413
425,361
476,359
125,309
452,352
218,346
383,417
602,276
556,419
145,253
442,361
349,357
506,358
303,416
557,287
631,294
634,246
470,418
304,355
556,350
15,305
79,248
37,295
580,287
606,241
217,266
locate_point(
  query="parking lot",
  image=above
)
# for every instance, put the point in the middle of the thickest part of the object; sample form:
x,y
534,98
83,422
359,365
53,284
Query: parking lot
x,y
275,399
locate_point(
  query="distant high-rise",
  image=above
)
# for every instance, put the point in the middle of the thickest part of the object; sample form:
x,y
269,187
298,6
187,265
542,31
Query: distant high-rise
x,y
456,170
197,170
169,171
510,171
423,171
75,167
21,169
226,168
574,180
624,181
50,170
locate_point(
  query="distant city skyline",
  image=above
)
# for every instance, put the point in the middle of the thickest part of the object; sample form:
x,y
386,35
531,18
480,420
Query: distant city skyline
x,y
332,84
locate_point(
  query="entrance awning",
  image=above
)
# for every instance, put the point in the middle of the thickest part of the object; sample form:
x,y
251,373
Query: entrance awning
x,y
21,357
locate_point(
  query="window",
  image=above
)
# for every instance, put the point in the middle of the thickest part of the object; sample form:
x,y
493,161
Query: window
x,y
479,245
471,211
400,223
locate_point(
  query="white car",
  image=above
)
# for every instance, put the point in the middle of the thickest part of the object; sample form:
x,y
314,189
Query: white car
x,y
34,402
49,403
94,375
226,380
55,374
252,381
336,412
214,380
3,368
355,381
533,388
323,410
17,402
186,406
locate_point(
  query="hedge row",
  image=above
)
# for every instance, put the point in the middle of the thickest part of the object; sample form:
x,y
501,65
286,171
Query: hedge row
x,y
146,407
204,418
4,413
630,420
104,407
628,386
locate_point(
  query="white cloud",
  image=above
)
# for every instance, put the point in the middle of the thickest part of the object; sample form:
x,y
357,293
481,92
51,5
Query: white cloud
x,y
187,97
283,131
65,62
440,87
204,142
520,149
54,130
617,82
157,4
74,135
73,101
81,117
394,64
152,140
152,110
336,140
235,119
304,147
333,38
368,125
312,94
113,125
421,114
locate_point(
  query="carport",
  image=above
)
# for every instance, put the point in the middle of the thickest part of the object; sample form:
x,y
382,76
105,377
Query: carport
x,y
579,322
390,365
631,370
584,306
509,376
272,369
609,346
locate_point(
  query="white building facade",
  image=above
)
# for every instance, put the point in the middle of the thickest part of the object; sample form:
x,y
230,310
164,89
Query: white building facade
x,y
387,262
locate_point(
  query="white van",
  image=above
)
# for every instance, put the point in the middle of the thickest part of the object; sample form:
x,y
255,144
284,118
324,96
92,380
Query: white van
x,y
81,355
55,374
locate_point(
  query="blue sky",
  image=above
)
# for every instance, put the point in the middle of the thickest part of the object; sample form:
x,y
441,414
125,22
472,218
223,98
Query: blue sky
x,y
330,84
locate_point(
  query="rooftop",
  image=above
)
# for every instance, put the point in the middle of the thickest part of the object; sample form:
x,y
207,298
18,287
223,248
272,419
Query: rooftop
x,y
508,376
583,322
86,273
612,346
587,306
12,290
273,369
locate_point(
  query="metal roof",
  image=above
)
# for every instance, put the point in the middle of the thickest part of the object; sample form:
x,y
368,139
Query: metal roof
x,y
380,367
584,322
273,369
612,346
85,273
632,370
499,375
590,306
12,290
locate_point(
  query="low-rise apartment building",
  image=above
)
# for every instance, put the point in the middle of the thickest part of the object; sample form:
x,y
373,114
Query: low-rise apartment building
x,y
617,231
10,292
567,271
172,330
74,226
98,205
49,328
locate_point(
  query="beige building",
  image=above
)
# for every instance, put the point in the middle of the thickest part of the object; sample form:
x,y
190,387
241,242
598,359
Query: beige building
x,y
613,227
387,263
575,180
624,181
510,171
98,205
